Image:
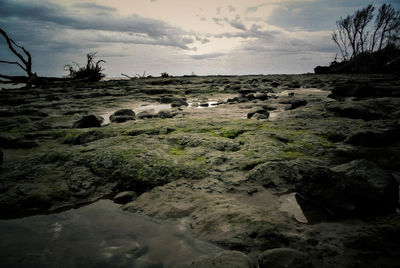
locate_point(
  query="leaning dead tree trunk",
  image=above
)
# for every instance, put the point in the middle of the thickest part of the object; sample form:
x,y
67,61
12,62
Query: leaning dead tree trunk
x,y
25,62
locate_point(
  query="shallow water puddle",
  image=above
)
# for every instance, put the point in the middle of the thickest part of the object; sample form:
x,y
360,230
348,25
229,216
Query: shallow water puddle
x,y
97,235
303,210
281,110
148,107
289,204
11,86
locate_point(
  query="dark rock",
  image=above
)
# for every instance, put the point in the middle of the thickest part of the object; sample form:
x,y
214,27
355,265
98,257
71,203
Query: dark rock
x,y
276,174
88,121
284,257
290,94
145,115
355,112
84,137
225,259
356,89
246,91
259,116
16,143
164,114
274,84
261,96
204,104
262,112
297,103
356,188
122,115
252,191
235,87
377,138
125,197
240,99
179,102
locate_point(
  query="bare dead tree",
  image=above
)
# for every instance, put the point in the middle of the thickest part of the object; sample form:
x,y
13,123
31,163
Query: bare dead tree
x,y
25,62
361,20
387,21
355,34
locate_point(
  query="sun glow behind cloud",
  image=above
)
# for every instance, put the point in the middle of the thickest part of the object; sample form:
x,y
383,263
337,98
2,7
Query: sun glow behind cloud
x,y
177,36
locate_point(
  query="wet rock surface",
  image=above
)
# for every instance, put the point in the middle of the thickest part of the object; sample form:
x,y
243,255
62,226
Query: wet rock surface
x,y
122,115
313,185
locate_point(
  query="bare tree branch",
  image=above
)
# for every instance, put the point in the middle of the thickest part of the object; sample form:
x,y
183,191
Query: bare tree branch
x,y
27,63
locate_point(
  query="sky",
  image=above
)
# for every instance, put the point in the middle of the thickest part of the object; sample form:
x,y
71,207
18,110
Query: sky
x,y
180,37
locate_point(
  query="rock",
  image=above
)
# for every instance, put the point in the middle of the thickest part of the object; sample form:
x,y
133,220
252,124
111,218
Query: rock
x,y
9,142
259,116
88,121
204,104
291,94
370,138
276,174
84,137
225,259
178,102
145,115
297,103
164,114
359,187
125,197
354,112
274,84
261,96
122,115
284,257
246,91
360,89
249,96
259,112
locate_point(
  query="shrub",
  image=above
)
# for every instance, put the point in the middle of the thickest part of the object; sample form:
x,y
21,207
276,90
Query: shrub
x,y
92,72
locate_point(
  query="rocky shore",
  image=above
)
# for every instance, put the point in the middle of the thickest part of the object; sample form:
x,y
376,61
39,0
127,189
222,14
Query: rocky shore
x,y
279,170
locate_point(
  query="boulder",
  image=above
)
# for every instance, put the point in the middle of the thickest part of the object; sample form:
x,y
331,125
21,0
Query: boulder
x,y
261,96
125,197
272,174
225,259
360,89
179,102
357,188
10,142
259,116
284,257
122,115
373,138
259,112
88,121
164,114
296,104
145,115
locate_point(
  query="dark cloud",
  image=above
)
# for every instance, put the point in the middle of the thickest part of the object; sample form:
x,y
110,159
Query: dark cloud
x,y
157,31
95,7
207,56
317,15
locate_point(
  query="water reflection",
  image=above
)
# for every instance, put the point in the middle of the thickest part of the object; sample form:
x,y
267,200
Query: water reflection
x,y
97,235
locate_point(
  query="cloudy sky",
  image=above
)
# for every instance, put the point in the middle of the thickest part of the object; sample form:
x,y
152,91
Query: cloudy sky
x,y
176,36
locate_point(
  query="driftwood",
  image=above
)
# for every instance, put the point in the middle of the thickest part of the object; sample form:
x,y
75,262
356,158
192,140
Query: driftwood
x,y
25,61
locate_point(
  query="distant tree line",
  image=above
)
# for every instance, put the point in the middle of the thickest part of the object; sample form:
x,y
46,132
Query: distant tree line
x,y
361,33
